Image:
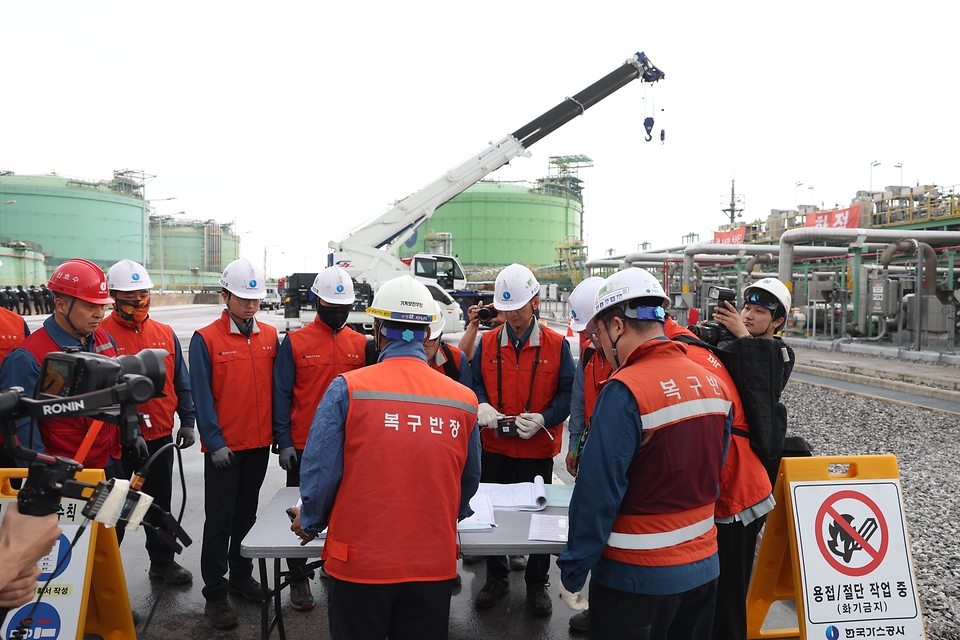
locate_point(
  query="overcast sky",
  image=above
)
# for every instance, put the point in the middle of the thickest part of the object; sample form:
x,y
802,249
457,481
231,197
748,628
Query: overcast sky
x,y
301,120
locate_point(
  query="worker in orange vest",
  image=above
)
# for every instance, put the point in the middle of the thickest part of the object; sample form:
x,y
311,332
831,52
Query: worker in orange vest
x,y
231,375
134,330
399,420
307,362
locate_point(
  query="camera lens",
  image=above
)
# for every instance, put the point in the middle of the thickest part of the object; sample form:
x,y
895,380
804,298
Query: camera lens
x,y
486,314
149,363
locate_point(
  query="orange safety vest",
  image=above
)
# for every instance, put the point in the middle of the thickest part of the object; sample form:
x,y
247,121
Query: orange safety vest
x,y
63,436
320,355
131,341
515,378
666,515
595,373
11,332
451,365
410,426
744,481
242,382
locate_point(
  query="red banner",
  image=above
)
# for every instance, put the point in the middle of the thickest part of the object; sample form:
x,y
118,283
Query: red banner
x,y
734,236
848,218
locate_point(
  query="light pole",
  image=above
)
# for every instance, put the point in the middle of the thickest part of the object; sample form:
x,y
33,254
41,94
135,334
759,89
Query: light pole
x,y
795,194
265,247
277,253
872,165
814,195
120,244
899,165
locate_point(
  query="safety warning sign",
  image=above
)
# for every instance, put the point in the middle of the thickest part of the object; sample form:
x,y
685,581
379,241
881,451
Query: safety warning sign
x,y
855,562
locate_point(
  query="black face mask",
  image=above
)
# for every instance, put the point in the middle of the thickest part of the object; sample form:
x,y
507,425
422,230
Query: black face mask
x,y
333,317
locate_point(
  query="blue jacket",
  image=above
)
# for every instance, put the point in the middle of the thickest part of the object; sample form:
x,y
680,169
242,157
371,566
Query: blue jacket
x,y
322,466
616,442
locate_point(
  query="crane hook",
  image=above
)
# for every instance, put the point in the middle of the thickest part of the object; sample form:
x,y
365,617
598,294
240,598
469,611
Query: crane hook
x,y
663,134
648,125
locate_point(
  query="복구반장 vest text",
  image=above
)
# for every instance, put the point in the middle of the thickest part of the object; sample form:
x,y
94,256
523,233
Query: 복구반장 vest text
x,y
242,382
666,515
406,443
320,355
516,374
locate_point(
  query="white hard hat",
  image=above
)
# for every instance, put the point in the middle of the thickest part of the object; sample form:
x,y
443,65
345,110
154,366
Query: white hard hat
x,y
244,279
775,288
334,285
436,327
403,299
581,302
128,275
515,286
630,284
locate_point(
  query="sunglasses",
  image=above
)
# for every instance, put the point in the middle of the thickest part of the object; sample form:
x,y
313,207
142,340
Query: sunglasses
x,y
761,299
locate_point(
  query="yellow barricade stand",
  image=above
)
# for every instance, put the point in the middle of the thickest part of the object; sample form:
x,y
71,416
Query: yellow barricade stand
x,y
88,594
836,543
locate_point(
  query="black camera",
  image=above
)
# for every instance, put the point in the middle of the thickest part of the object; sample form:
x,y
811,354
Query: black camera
x,y
71,374
486,315
721,295
712,332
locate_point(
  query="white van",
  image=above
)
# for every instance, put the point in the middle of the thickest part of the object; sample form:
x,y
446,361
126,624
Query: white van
x,y
272,301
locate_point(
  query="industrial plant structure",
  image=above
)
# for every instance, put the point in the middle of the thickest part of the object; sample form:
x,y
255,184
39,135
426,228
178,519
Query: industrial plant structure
x,y
48,219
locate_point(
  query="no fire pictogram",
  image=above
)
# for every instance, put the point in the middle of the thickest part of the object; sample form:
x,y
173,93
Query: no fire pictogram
x,y
852,533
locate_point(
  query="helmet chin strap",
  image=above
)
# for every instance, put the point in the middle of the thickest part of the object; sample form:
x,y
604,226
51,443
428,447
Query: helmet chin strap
x,y
66,317
613,347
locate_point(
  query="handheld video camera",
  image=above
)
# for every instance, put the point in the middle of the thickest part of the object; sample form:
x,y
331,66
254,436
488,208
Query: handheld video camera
x,y
73,384
711,331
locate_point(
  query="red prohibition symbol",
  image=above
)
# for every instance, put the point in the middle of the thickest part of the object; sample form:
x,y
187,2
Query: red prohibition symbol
x,y
857,539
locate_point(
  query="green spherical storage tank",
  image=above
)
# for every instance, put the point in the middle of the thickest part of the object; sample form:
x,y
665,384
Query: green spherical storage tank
x,y
65,218
496,224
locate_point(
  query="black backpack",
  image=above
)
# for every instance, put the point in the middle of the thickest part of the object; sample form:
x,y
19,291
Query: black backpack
x,y
760,372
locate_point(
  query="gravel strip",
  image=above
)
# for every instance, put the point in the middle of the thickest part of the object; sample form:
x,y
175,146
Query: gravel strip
x,y
927,446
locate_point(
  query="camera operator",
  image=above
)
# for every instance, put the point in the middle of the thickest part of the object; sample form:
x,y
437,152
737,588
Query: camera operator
x,y
24,540
80,287
476,315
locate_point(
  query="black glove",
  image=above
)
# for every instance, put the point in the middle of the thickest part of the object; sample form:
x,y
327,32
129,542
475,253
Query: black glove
x,y
139,452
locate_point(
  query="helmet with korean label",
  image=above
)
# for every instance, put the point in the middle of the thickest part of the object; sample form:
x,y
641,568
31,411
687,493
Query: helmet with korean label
x,y
81,279
333,285
244,279
771,294
624,286
581,302
515,286
128,275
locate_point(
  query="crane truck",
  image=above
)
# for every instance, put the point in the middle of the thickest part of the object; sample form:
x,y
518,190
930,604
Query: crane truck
x,y
368,253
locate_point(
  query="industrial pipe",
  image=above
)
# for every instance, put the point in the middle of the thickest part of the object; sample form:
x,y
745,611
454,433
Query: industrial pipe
x,y
852,237
929,261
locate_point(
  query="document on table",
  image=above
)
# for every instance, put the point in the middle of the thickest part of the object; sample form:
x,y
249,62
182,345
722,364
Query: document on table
x,y
519,496
549,528
482,518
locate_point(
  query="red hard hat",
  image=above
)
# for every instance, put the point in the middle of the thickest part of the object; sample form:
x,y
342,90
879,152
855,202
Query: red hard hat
x,y
81,279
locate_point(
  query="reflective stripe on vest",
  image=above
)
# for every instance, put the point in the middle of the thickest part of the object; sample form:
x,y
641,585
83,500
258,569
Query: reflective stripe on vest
x,y
684,411
406,441
657,532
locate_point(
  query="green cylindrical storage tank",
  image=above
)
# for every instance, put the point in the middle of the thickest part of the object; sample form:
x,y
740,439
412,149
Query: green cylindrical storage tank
x,y
194,252
495,223
64,218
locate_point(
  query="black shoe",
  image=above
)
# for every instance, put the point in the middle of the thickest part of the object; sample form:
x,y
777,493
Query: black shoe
x,y
581,621
247,587
538,595
468,560
220,614
518,563
300,597
178,574
492,589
